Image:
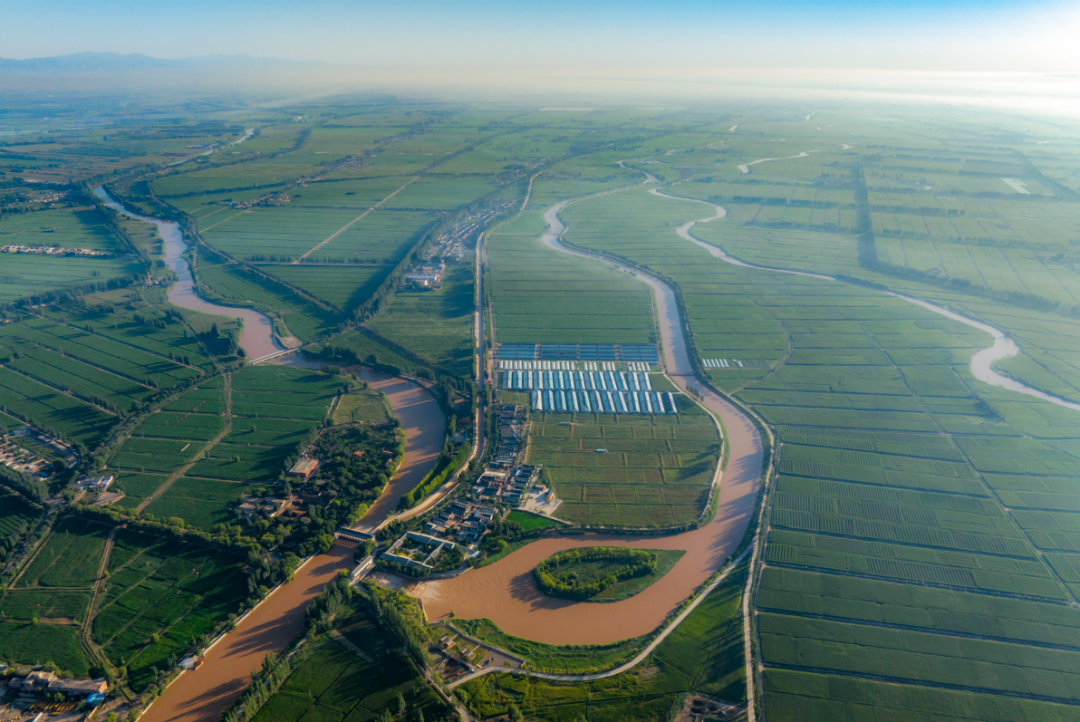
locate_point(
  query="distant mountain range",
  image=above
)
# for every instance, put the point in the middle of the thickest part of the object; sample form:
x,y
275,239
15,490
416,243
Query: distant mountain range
x,y
116,62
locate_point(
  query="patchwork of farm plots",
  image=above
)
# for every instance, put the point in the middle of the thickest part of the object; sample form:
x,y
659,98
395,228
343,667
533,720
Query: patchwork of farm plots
x,y
80,227
26,274
74,154
884,473
435,325
67,380
334,683
380,236
1014,270
579,177
894,469
240,176
270,410
656,470
160,596
541,296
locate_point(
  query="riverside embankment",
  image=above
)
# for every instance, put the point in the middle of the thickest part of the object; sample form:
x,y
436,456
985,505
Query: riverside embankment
x,y
505,591
258,338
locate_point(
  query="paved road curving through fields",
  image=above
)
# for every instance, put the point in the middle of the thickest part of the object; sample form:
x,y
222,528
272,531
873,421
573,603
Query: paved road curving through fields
x,y
505,591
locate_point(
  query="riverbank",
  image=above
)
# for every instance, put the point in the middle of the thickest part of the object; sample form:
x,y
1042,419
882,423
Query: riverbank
x,y
204,694
257,339
506,592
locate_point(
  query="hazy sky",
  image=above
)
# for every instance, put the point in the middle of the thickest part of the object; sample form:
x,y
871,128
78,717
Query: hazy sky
x,y
958,35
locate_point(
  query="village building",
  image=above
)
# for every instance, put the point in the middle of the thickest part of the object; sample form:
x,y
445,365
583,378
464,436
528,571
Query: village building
x,y
95,483
304,468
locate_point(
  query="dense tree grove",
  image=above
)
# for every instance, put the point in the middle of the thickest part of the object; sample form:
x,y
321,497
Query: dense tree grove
x,y
631,563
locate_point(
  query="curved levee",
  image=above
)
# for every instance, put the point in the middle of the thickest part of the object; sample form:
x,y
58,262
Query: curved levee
x,y
505,591
981,363
257,339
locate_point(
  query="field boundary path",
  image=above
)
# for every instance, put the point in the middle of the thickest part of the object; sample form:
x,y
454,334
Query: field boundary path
x,y
347,643
173,477
204,694
981,362
65,392
350,223
122,342
627,666
505,590
86,633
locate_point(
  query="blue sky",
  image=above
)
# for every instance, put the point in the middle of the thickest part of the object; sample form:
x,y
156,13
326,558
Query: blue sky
x,y
953,35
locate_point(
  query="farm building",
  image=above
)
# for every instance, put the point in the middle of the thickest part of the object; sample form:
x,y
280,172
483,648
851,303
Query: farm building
x,y
42,682
426,276
304,468
95,483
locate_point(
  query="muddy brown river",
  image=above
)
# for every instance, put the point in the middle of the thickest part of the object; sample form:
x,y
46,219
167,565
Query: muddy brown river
x,y
257,338
505,591
204,694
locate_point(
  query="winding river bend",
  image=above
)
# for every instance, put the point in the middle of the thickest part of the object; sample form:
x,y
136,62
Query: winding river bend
x,y
982,362
204,694
505,591
257,339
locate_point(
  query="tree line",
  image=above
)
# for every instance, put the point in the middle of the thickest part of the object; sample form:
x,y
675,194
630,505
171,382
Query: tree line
x,y
634,563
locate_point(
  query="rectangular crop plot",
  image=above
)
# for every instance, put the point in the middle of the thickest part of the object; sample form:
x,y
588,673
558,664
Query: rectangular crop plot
x,y
164,587
646,353
26,643
54,410
640,480
343,285
243,462
136,487
50,604
919,657
175,425
540,295
69,558
16,514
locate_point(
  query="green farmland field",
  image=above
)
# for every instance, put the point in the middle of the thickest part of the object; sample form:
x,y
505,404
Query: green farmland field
x,y
541,296
897,467
159,596
335,684
435,325
79,227
273,408
657,470
345,286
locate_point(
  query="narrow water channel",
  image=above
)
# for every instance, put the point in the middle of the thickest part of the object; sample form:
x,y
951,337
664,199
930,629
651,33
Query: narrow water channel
x,y
982,362
505,591
258,338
